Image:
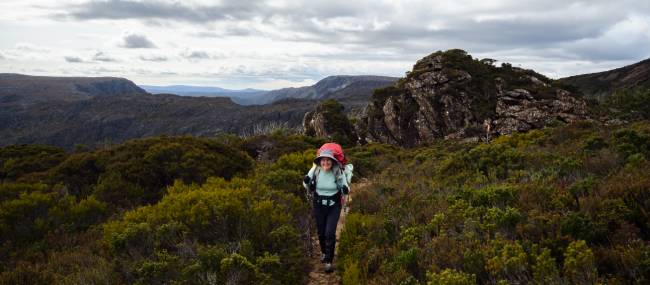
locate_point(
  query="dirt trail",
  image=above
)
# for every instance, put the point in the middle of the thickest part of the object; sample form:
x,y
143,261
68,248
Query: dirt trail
x,y
317,275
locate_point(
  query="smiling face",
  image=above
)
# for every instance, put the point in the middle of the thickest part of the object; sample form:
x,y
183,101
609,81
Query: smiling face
x,y
326,163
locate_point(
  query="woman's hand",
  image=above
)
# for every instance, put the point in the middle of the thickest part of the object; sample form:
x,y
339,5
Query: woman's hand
x,y
344,198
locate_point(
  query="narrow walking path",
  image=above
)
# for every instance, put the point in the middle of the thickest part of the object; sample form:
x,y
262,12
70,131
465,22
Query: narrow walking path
x,y
317,275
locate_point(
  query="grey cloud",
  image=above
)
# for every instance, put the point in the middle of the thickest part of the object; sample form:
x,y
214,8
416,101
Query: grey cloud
x,y
25,47
73,59
102,70
102,56
597,50
551,30
125,9
195,55
230,31
156,58
198,55
156,11
555,21
137,41
538,24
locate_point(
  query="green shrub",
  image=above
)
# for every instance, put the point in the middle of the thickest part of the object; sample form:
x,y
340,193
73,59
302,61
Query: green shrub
x,y
545,269
138,171
151,241
450,277
508,261
18,161
629,104
579,267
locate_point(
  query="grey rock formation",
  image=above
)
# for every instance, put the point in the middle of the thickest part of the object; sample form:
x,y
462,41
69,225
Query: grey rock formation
x,y
314,124
450,95
328,121
518,110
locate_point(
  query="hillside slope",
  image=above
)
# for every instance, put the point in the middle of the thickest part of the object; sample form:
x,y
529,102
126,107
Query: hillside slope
x,y
114,119
602,84
334,87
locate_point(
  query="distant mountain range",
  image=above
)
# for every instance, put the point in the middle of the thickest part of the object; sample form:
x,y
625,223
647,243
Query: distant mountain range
x,y
358,87
247,96
114,119
194,89
65,111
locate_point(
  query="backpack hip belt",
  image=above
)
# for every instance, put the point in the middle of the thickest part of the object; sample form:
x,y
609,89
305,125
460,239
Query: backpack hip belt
x,y
327,200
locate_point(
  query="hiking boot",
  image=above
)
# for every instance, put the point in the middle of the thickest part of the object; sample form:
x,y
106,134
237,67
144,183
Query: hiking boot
x,y
329,268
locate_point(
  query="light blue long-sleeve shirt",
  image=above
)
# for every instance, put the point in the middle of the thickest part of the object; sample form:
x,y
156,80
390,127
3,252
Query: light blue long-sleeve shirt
x,y
326,183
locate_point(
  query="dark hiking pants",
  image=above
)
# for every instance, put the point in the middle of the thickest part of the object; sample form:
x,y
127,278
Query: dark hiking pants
x,y
327,216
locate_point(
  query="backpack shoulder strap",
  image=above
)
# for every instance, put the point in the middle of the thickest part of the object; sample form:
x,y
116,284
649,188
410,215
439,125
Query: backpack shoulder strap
x,y
315,174
339,174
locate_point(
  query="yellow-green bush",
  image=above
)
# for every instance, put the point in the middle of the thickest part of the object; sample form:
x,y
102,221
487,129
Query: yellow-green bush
x,y
160,242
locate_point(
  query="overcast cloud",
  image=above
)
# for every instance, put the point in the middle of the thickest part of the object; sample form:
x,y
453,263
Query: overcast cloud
x,y
158,58
102,56
281,43
73,59
137,41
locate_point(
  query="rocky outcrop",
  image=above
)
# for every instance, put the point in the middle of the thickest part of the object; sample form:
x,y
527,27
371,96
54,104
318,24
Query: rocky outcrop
x,y
451,95
314,124
328,121
518,110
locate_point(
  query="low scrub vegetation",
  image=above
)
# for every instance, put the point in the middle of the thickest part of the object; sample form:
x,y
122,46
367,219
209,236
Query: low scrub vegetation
x,y
560,205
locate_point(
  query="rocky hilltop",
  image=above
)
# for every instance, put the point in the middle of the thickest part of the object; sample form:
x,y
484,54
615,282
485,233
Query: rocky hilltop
x,y
452,95
19,88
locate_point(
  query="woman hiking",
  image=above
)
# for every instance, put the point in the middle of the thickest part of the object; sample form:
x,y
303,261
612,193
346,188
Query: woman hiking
x,y
328,182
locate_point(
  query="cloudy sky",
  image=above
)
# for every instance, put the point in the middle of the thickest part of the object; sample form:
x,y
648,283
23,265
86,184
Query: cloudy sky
x,y
281,43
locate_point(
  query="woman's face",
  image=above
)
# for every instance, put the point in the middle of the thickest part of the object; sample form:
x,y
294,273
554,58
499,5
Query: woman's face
x,y
326,163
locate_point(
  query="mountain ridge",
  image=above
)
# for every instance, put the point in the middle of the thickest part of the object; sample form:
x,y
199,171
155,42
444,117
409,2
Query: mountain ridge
x,y
30,89
330,87
600,85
